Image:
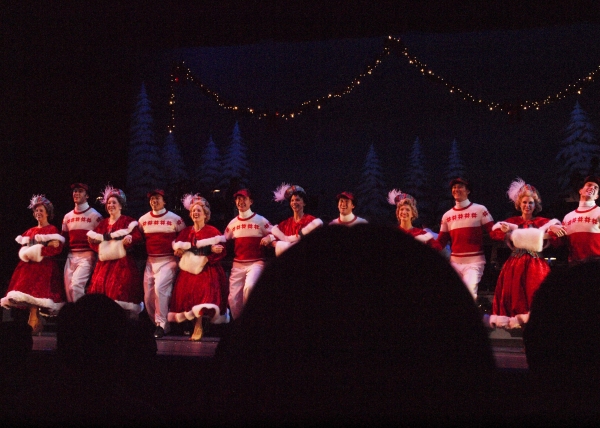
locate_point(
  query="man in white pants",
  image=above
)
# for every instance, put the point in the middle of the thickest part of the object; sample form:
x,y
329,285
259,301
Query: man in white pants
x,y
81,259
251,232
160,228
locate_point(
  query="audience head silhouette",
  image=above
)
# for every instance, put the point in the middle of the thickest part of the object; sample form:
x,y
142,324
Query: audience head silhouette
x,y
356,325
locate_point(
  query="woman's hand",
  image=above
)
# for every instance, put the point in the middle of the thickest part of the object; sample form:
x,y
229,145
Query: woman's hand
x,y
217,248
504,227
93,241
558,230
267,240
54,243
127,240
179,252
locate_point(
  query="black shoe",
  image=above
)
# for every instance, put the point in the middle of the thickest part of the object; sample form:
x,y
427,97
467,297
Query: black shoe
x,y
159,332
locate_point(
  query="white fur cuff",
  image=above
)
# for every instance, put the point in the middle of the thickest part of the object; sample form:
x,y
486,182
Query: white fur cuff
x,y
210,241
50,237
511,226
33,253
312,226
180,245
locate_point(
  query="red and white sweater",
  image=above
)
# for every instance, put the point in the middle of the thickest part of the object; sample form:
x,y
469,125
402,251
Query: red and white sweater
x,y
247,229
76,224
463,226
160,230
583,232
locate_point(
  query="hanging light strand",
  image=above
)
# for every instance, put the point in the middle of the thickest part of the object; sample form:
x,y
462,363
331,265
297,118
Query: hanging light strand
x,y
181,74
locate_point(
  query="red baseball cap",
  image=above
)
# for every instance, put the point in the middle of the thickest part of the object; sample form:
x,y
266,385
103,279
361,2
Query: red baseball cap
x,y
80,186
156,192
243,192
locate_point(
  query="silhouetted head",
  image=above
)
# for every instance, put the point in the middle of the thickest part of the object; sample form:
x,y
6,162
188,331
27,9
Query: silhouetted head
x,y
356,325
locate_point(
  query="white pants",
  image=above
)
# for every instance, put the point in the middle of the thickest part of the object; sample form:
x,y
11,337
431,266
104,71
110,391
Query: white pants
x,y
471,274
78,268
242,278
159,277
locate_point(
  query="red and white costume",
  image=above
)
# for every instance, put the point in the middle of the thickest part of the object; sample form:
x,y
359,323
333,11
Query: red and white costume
x,y
160,228
348,220
583,232
119,279
289,231
523,272
205,293
423,236
81,259
36,280
247,230
463,226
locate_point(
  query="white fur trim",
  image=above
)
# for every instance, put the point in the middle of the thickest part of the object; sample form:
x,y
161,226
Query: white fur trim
x,y
530,239
281,246
50,237
23,299
514,323
124,232
192,263
33,253
553,222
23,240
511,226
95,236
181,245
210,241
111,250
277,233
132,308
194,313
312,226
499,321
424,237
23,254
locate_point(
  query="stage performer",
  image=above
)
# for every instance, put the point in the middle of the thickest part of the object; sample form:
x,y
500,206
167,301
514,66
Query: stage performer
x,y
346,204
582,226
81,259
525,269
406,213
36,282
116,273
201,287
463,227
159,227
250,232
291,230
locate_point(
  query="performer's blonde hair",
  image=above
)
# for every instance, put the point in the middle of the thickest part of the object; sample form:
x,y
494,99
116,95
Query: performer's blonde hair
x,y
518,189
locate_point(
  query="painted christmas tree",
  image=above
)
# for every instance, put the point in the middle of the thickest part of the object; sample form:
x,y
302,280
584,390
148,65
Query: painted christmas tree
x,y
372,192
415,179
455,168
175,174
579,154
235,165
144,170
208,172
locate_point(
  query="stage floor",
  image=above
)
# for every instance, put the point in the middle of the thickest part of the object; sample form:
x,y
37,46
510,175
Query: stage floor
x,y
508,351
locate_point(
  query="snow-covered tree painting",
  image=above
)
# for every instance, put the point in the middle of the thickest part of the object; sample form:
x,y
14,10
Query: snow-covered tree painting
x,y
209,169
580,152
144,170
235,165
416,180
455,168
371,191
173,166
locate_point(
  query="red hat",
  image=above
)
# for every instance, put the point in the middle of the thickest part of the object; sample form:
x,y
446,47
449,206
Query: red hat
x,y
459,180
347,195
156,192
80,186
243,192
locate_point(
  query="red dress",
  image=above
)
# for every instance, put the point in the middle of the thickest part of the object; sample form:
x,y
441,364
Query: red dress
x,y
521,275
204,294
119,279
38,283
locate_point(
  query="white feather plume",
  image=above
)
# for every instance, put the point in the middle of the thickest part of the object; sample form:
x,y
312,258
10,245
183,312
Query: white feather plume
x,y
514,189
107,192
36,200
279,193
392,196
187,200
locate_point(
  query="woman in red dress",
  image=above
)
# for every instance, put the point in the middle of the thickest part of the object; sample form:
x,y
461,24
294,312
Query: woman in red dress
x,y
406,213
201,288
116,274
36,283
525,269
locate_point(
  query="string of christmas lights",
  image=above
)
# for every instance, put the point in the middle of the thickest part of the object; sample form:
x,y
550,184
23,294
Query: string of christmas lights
x,y
181,74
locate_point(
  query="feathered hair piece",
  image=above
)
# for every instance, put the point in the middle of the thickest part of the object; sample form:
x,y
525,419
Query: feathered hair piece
x,y
111,191
517,187
279,193
37,200
191,199
395,196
